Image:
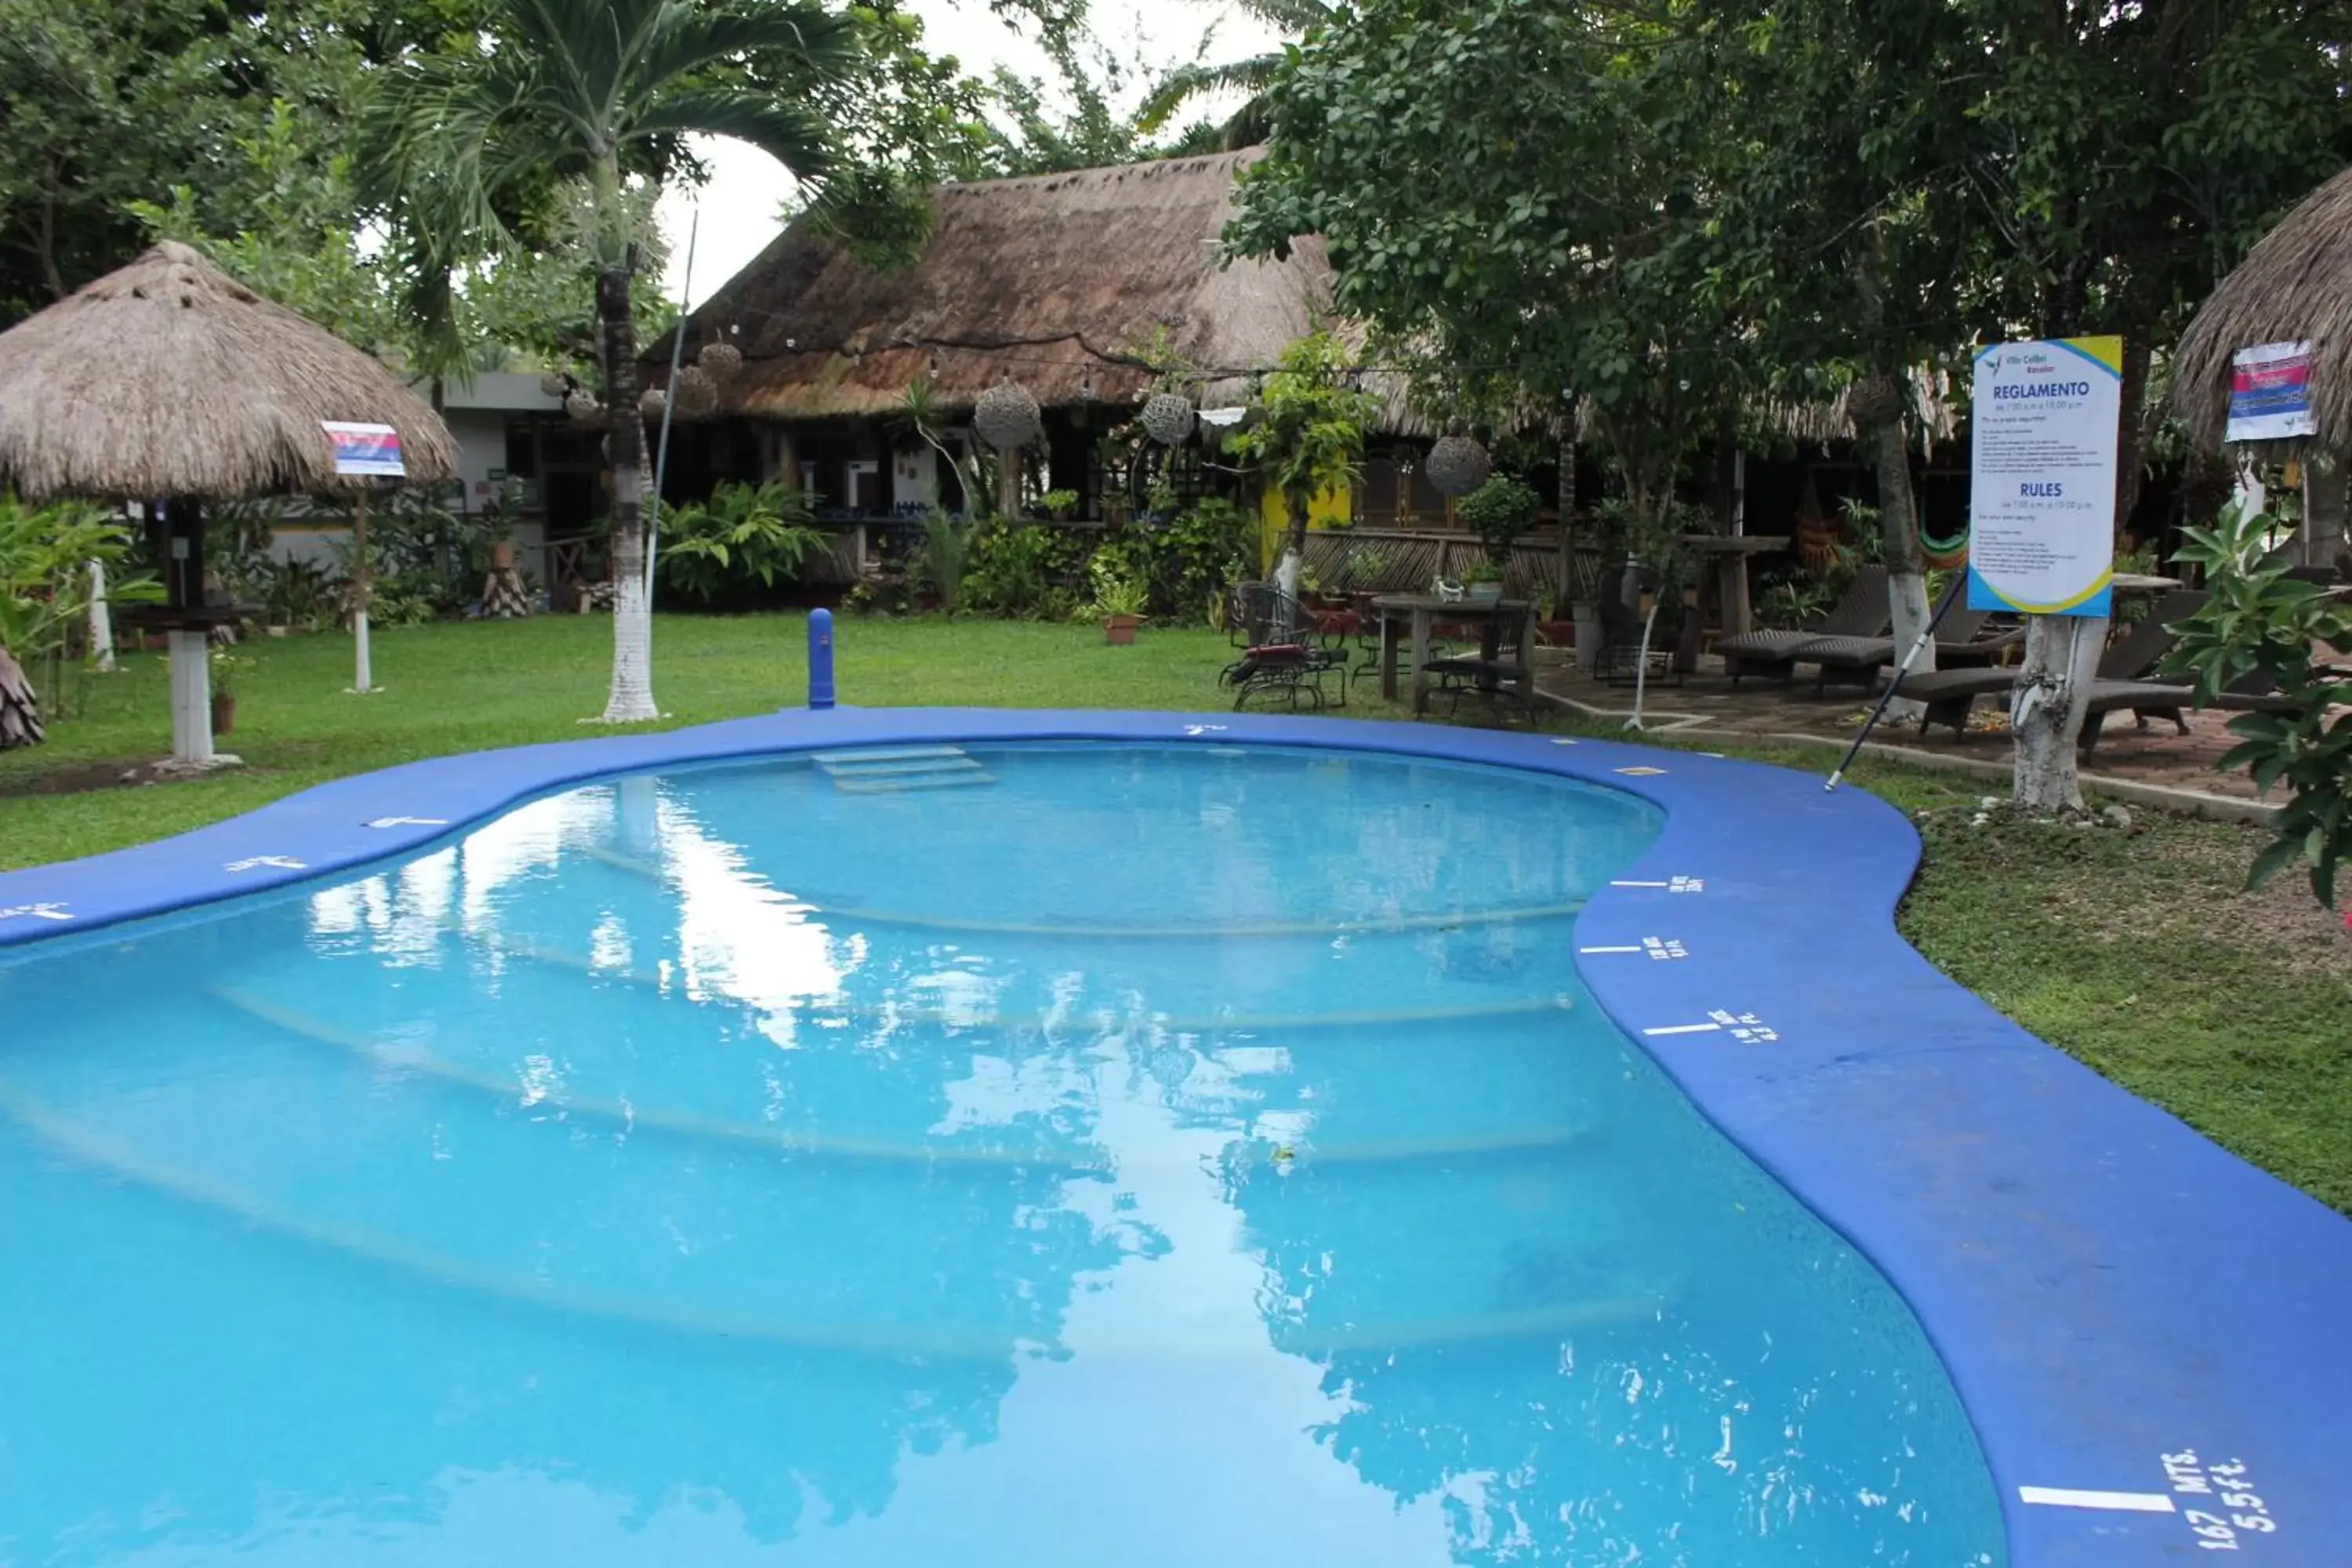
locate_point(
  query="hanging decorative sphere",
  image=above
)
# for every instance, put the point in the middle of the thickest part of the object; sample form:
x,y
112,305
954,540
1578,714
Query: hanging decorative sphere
x,y
720,360
1006,417
554,383
652,402
1458,465
1168,418
697,394
582,404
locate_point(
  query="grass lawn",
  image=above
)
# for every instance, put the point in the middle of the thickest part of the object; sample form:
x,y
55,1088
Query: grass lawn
x,y
2136,951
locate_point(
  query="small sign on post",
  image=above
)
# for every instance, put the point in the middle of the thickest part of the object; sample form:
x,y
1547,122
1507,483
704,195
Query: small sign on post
x,y
2270,393
365,451
2042,508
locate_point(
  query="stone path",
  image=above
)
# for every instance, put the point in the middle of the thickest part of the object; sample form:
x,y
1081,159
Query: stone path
x,y
1761,709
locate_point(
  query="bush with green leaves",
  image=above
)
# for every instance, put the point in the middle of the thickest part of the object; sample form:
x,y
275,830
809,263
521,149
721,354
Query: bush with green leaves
x,y
944,558
1190,561
742,541
44,586
1499,511
1021,569
1119,584
2258,629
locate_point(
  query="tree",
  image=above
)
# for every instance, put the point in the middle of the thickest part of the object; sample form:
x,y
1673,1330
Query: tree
x,y
603,93
1306,436
1254,74
1513,189
1847,233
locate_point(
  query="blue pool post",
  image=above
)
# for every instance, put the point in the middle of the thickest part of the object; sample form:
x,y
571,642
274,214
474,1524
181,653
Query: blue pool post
x,y
820,658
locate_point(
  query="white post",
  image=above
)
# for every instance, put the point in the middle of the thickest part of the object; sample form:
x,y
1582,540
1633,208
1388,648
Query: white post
x,y
362,591
102,623
192,698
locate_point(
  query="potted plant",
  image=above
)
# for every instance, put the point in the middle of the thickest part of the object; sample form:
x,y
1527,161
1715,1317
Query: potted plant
x,y
1119,600
1482,583
1059,505
225,666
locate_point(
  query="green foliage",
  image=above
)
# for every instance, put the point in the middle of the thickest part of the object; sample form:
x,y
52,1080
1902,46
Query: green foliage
x,y
1192,559
1119,588
1059,505
1527,236
1499,511
1021,569
1309,430
742,536
945,558
2258,622
44,555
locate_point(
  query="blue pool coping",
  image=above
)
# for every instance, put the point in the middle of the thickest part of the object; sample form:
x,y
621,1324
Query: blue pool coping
x,y
2139,1325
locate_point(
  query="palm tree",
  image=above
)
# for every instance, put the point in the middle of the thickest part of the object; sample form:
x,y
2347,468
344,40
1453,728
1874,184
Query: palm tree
x,y
1249,124
601,92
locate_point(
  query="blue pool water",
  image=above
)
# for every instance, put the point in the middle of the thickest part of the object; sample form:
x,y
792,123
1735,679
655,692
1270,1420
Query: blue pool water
x,y
1009,1158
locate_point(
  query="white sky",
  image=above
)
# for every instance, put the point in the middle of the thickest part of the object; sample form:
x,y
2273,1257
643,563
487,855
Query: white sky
x,y
747,188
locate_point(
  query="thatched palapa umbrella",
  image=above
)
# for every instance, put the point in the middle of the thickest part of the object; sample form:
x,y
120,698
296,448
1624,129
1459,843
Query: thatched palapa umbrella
x,y
2295,286
169,380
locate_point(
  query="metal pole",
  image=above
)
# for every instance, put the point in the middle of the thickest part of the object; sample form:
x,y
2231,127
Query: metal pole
x,y
669,409
1926,635
820,658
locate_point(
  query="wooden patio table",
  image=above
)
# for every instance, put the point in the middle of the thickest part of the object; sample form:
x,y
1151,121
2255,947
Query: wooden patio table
x,y
1419,611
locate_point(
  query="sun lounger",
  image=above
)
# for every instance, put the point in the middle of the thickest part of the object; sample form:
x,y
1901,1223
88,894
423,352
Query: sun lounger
x,y
1949,694
1861,612
1962,642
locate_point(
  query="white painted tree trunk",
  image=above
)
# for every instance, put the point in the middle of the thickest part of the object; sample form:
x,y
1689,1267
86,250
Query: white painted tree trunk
x,y
632,696
1907,579
1286,574
631,699
2045,714
192,698
102,622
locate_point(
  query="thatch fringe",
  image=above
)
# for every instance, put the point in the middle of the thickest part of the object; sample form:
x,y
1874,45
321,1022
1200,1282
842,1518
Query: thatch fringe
x,y
170,378
2294,286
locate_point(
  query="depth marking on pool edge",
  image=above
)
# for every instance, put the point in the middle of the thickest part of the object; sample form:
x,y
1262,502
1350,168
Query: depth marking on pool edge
x,y
42,911
1656,947
1672,885
2121,1502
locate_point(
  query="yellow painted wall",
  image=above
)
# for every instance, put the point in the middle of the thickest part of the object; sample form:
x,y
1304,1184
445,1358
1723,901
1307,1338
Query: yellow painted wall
x,y
1332,508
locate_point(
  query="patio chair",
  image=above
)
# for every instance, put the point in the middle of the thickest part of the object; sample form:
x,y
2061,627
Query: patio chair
x,y
1860,612
1493,674
1282,650
1962,641
1949,694
1619,658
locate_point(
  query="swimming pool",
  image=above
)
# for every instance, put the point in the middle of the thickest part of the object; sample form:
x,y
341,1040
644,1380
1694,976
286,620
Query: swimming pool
x,y
989,1153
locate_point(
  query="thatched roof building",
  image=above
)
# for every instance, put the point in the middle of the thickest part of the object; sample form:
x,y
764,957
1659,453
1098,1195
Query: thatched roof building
x,y
169,378
2294,286
1061,282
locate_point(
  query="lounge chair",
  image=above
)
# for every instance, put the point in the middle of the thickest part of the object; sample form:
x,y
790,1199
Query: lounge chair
x,y
1860,612
1282,650
1949,694
1962,642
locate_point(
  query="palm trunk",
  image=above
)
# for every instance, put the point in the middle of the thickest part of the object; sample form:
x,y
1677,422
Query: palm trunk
x,y
20,713
632,696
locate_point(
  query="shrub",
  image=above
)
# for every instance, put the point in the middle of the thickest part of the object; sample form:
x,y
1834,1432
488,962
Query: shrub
x,y
1020,569
1499,511
745,537
2259,622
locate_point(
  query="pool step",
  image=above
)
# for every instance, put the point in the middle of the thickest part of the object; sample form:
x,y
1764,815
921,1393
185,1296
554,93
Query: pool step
x,y
890,769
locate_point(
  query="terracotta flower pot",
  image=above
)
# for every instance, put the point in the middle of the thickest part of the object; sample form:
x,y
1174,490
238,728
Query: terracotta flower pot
x,y
502,555
224,712
1119,630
